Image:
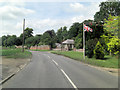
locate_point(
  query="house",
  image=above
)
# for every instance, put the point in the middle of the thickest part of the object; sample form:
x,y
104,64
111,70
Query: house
x,y
68,45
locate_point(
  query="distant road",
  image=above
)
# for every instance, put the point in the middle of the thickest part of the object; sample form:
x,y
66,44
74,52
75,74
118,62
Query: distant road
x,y
53,71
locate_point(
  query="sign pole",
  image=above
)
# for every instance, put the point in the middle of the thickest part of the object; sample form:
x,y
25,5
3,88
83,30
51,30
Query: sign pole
x,y
83,42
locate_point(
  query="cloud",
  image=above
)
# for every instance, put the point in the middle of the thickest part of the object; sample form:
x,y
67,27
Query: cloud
x,y
42,25
13,12
86,10
76,6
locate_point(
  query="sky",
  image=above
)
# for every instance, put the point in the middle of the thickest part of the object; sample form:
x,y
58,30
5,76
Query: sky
x,y
44,15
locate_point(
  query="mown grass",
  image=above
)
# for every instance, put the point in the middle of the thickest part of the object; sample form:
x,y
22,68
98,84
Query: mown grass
x,y
108,61
15,53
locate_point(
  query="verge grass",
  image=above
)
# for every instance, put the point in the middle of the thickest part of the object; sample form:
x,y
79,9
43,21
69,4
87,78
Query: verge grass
x,y
15,53
108,61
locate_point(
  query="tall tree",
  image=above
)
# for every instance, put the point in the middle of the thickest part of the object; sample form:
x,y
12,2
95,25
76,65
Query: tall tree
x,y
74,30
59,35
49,38
28,32
107,8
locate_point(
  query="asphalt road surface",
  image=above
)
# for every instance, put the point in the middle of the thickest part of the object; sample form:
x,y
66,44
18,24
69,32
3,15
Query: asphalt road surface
x,y
48,70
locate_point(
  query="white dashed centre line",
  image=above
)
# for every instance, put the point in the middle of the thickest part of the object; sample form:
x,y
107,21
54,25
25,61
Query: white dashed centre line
x,y
69,79
55,62
49,56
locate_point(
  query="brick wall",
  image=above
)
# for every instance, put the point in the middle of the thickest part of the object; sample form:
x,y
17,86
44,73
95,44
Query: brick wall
x,y
42,47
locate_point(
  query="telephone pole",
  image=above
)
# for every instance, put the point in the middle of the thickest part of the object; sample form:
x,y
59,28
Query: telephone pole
x,y
23,35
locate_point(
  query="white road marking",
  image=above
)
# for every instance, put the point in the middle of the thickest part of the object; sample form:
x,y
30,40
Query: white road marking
x,y
55,62
69,79
49,56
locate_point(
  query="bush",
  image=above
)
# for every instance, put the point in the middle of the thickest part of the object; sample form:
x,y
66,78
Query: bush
x,y
99,51
90,46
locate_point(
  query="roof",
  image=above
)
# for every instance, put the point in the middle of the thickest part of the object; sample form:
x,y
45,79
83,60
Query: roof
x,y
68,41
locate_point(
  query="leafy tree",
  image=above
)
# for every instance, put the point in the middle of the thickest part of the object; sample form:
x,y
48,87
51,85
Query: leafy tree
x,y
111,25
74,30
107,8
11,40
64,33
78,42
90,46
49,38
3,39
59,35
29,42
27,33
99,51
114,45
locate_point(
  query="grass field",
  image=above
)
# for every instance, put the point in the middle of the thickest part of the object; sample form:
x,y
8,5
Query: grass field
x,y
108,61
15,53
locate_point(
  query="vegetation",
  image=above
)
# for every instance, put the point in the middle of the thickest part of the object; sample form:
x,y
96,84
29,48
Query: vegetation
x,y
102,41
15,53
108,61
99,51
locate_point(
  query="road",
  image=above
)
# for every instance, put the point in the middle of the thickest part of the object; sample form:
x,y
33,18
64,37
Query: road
x,y
48,70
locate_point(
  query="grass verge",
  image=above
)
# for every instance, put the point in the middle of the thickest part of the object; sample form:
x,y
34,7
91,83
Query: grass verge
x,y
108,61
15,53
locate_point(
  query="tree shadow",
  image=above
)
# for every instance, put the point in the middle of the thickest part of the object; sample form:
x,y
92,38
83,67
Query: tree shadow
x,y
106,58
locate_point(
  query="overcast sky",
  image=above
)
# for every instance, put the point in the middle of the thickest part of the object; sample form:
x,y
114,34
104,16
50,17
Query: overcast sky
x,y
43,15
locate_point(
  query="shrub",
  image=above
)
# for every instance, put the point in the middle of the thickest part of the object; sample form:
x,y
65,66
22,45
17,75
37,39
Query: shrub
x,y
90,46
99,51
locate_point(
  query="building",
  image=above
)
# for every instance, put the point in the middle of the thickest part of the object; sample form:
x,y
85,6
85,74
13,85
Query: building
x,y
68,45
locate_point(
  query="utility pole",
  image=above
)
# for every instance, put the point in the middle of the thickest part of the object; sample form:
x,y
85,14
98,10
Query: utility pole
x,y
83,43
23,35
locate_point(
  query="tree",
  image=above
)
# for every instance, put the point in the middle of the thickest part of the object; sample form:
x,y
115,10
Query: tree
x,y
27,33
107,8
99,51
49,38
111,25
79,42
11,40
114,45
59,35
62,34
90,46
29,42
74,30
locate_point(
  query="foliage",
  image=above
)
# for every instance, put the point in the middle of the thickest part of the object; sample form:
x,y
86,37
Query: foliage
x,y
114,45
74,30
90,46
78,42
107,8
99,51
27,33
62,34
49,38
111,25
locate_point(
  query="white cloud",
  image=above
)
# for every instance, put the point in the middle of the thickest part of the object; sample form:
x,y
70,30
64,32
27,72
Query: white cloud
x,y
85,10
76,5
42,25
13,12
